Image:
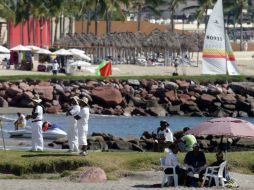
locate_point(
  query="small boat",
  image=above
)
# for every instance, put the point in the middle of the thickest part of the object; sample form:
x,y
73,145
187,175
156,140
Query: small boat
x,y
54,133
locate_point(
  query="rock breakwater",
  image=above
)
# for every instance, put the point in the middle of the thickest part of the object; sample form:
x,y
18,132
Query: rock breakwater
x,y
136,97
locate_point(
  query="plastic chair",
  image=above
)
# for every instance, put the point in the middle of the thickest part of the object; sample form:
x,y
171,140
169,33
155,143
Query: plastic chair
x,y
215,173
166,176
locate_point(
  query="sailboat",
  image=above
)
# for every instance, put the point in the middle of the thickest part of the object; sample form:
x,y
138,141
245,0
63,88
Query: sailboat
x,y
218,55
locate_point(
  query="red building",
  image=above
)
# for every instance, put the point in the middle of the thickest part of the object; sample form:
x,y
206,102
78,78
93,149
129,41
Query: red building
x,y
33,32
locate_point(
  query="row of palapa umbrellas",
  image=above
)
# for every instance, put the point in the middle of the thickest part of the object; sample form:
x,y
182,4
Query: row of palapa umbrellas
x,y
156,39
80,54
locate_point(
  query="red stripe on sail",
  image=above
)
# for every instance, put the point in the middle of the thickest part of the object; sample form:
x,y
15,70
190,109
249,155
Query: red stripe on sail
x,y
214,56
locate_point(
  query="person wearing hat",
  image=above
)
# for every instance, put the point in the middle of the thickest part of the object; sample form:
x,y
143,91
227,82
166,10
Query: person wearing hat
x,y
37,116
164,136
72,133
83,118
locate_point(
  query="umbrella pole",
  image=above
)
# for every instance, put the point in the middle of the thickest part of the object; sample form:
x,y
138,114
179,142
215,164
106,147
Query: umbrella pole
x,y
1,126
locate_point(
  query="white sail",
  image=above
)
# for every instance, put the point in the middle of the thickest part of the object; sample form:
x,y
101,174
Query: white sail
x,y
214,51
214,44
231,61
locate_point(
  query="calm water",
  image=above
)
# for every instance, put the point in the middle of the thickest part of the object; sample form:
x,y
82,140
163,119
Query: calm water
x,y
124,126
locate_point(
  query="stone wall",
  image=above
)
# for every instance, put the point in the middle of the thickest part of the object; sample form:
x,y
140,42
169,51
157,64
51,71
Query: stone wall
x,y
136,97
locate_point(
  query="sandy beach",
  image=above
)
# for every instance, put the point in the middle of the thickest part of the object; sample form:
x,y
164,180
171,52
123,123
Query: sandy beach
x,y
245,63
138,181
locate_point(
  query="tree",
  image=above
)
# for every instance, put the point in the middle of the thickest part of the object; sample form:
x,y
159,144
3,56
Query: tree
x,y
109,7
7,11
173,5
237,7
139,5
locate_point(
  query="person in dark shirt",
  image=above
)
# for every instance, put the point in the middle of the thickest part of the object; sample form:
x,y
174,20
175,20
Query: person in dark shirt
x,y
195,160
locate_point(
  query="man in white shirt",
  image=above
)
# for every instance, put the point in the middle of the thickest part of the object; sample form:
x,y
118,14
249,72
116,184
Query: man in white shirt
x,y
83,118
164,135
72,128
172,161
37,116
55,67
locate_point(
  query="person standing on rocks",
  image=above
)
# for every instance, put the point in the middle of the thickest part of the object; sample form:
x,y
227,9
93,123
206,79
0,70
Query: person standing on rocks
x,y
72,128
37,116
83,118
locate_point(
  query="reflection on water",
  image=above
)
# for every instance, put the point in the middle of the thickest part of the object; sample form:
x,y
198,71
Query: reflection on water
x,y
123,126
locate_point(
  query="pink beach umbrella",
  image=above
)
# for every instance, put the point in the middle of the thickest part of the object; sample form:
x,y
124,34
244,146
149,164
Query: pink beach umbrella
x,y
225,126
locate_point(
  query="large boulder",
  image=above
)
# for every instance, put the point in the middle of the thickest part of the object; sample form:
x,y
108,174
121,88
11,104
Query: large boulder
x,y
93,175
13,91
243,88
229,98
207,99
25,87
3,103
109,96
45,92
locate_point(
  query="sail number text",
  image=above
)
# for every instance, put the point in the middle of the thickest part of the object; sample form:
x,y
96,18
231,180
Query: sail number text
x,y
217,38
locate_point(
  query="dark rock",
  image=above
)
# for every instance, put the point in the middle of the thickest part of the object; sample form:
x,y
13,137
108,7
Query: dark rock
x,y
13,91
137,148
59,89
121,145
174,108
139,112
25,87
171,85
3,103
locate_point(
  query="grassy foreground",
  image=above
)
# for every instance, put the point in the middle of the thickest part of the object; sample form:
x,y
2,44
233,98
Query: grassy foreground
x,y
34,165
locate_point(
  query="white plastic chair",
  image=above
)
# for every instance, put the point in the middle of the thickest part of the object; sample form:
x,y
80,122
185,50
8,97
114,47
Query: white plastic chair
x,y
215,173
166,176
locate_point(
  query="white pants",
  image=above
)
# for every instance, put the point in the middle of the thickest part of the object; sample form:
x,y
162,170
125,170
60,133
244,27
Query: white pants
x,y
73,134
82,133
37,138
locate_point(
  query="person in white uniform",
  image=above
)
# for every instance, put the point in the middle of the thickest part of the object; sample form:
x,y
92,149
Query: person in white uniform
x,y
72,133
164,136
36,116
83,118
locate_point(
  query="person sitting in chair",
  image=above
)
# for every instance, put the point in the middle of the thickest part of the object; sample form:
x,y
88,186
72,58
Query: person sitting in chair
x,y
195,159
172,160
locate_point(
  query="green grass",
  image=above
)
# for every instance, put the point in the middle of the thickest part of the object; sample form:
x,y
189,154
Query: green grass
x,y
54,165
201,79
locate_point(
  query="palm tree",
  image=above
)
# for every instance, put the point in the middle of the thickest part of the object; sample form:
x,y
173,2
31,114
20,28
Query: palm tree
x,y
139,5
112,6
237,7
173,5
7,11
202,10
